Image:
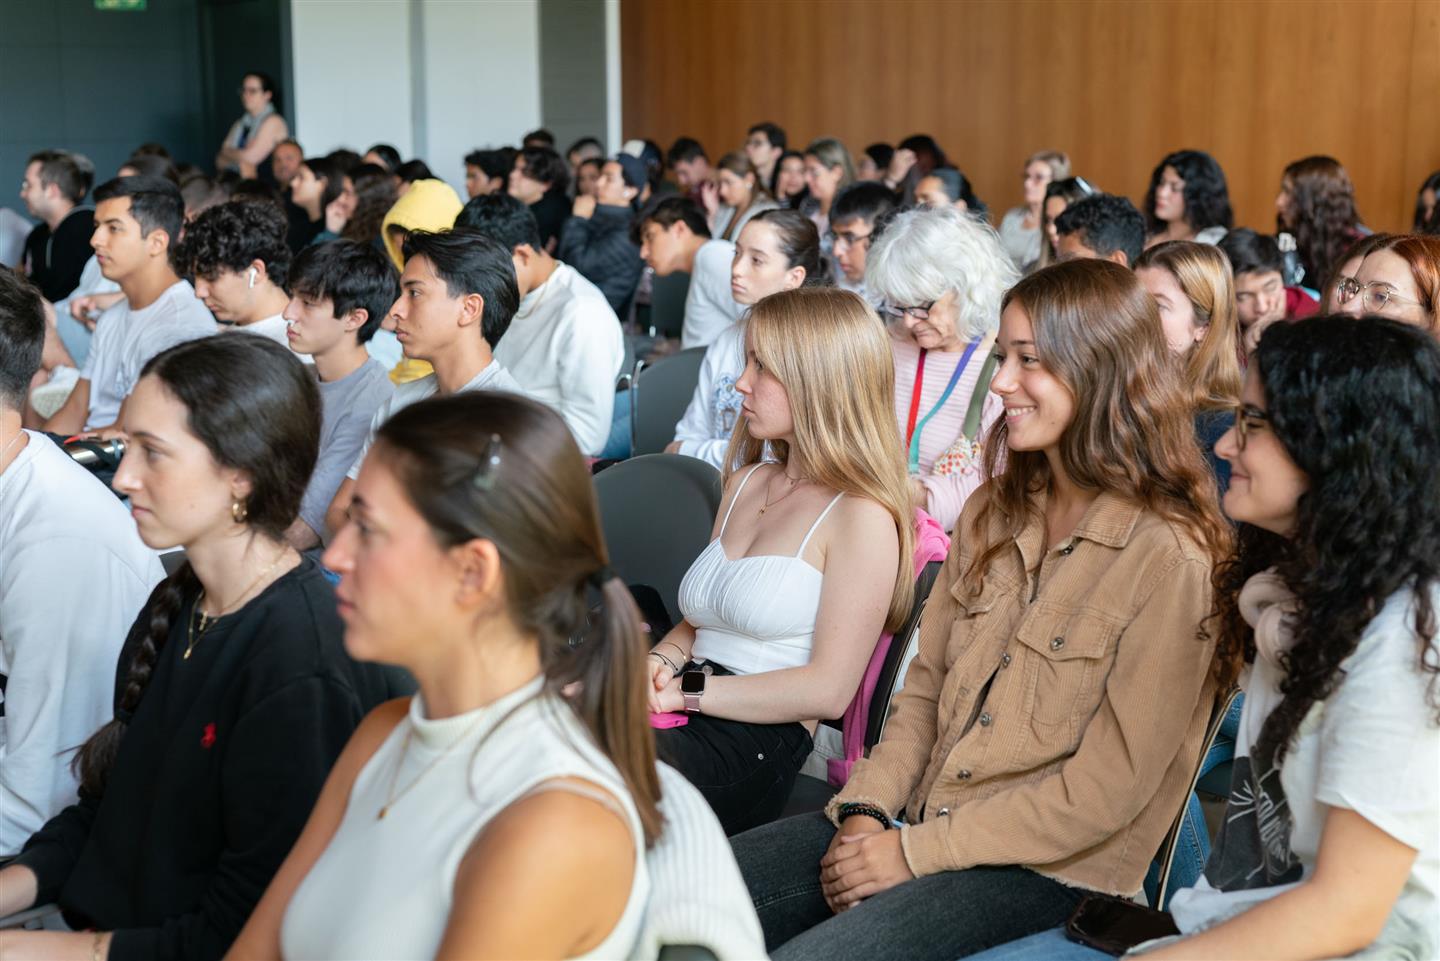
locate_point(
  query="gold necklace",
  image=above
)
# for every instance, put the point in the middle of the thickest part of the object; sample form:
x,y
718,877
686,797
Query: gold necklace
x,y
207,621
794,486
391,797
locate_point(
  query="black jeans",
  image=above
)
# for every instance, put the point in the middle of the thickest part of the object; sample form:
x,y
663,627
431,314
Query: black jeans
x,y
746,771
938,917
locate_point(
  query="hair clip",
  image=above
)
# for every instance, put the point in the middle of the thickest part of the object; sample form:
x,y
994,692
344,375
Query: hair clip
x,y
485,474
1085,185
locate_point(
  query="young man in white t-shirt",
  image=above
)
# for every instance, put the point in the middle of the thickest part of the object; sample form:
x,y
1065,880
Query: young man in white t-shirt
x,y
564,345
240,261
73,575
674,238
457,296
343,290
136,221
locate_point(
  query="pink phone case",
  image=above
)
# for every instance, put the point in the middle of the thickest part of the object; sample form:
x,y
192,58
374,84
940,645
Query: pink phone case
x,y
669,719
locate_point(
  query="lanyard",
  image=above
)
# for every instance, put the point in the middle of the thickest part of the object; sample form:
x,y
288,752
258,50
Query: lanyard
x,y
913,430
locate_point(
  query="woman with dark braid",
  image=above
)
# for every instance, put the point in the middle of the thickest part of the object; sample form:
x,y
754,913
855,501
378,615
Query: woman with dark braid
x,y
234,694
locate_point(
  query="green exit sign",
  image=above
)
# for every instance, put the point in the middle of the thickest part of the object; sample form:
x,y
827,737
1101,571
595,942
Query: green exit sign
x,y
120,4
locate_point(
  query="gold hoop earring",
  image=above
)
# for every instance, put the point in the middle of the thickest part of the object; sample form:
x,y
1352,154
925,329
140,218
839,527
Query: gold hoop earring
x,y
238,511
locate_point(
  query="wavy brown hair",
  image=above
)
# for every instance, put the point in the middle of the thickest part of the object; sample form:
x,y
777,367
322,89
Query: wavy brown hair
x,y
1097,330
1323,217
1212,367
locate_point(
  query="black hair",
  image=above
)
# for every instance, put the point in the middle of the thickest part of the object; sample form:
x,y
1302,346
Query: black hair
x,y
413,170
345,159
923,145
597,162
354,276
255,407
331,171
502,218
867,201
494,163
1207,198
251,187
544,165
683,150
1421,225
584,143
880,154
1356,404
232,235
389,156
540,137
153,165
1251,252
794,200
668,211
1106,223
799,242
22,337
471,263
155,204
267,83
773,133
73,173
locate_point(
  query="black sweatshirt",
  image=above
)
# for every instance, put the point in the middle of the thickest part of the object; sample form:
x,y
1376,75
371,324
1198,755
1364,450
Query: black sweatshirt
x,y
600,248
55,261
215,776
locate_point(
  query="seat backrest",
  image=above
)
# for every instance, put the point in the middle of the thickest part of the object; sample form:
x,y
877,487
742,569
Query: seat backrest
x,y
659,396
885,688
667,304
657,512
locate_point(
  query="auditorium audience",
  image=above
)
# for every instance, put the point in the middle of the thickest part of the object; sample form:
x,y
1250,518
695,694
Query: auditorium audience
x,y
597,238
1316,205
487,171
54,189
539,179
587,177
940,277
1049,727
73,575
236,252
253,137
1327,847
1020,228
457,296
790,190
563,346
764,146
734,195
674,238
342,292
873,162
1194,291
828,170
857,215
316,186
1102,227
1399,279
780,621
285,161
137,220
777,251
1188,199
233,694
1059,195
1261,297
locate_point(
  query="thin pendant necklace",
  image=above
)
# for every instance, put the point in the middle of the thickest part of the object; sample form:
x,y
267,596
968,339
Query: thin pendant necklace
x,y
794,486
193,635
391,798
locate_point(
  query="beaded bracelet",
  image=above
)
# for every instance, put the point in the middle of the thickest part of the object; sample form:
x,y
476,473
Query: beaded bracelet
x,y
854,809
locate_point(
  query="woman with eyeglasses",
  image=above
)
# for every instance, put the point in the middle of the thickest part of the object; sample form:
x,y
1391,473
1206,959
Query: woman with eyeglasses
x,y
940,276
1345,269
1059,194
1399,279
1328,845
1020,228
1050,725
252,139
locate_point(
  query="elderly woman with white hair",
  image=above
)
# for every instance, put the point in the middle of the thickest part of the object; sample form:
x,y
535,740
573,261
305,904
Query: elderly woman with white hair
x,y
940,276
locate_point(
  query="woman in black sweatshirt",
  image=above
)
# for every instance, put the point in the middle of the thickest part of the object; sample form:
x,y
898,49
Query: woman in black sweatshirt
x,y
233,694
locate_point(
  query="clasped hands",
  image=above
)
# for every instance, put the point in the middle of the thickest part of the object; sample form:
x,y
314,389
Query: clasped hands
x,y
863,860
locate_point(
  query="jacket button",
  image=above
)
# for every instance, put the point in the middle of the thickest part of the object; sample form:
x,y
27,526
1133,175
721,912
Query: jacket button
x,y
943,812
985,719
1057,643
1068,549
1005,660
964,775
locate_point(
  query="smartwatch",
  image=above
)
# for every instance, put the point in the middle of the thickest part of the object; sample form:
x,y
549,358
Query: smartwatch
x,y
692,686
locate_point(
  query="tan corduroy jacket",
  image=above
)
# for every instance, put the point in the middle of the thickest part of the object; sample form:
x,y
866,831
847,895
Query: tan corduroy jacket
x,y
1055,720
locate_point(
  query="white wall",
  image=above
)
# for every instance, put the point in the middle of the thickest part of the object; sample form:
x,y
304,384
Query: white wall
x,y
469,76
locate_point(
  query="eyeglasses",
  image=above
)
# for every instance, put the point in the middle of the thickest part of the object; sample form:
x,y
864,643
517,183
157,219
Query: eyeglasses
x,y
921,312
1375,295
244,90
1244,415
847,238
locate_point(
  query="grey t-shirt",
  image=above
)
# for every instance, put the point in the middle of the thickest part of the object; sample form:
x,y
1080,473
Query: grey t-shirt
x,y
347,407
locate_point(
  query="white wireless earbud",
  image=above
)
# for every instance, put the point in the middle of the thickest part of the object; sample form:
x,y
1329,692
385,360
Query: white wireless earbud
x,y
252,277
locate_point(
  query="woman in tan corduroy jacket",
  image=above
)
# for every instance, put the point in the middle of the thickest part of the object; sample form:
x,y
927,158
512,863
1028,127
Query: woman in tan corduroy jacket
x,y
1048,729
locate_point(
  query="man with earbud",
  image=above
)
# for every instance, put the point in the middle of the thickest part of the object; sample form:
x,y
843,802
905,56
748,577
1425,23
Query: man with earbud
x,y
238,256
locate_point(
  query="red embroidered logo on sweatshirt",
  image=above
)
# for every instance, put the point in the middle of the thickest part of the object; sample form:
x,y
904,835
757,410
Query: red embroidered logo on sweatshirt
x,y
207,740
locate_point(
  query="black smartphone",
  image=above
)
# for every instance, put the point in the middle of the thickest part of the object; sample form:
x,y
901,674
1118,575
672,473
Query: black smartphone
x,y
1115,925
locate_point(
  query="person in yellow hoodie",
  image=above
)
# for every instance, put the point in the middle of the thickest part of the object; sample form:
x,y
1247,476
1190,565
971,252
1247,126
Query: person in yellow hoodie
x,y
429,205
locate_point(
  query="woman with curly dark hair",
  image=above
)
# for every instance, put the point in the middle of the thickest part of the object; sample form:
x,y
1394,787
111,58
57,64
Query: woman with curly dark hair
x,y
1427,210
1188,199
374,196
1328,846
1316,205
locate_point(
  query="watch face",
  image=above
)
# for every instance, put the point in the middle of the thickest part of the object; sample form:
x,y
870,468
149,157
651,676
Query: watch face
x,y
692,682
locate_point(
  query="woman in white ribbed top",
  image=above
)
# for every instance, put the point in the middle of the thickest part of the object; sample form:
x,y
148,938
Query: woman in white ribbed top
x,y
810,559
522,776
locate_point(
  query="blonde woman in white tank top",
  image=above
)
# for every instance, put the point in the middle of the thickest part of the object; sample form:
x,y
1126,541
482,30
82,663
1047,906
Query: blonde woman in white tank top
x,y
505,810
809,564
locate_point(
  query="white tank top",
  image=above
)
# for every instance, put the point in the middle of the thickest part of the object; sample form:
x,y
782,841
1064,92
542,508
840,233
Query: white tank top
x,y
383,888
753,614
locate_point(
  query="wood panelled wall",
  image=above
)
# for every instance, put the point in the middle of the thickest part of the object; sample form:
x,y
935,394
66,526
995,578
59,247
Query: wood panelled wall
x,y
1115,83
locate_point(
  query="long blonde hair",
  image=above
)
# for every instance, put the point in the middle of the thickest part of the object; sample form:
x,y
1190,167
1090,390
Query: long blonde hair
x,y
1212,368
830,352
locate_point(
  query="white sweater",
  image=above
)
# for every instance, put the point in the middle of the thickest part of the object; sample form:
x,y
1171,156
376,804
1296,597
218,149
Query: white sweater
x,y
709,306
565,348
714,410
73,575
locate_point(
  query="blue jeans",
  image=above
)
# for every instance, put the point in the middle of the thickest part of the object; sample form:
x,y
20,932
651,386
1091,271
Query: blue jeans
x,y
1049,945
617,447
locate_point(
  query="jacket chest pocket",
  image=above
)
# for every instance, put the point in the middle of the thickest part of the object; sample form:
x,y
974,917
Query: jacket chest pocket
x,y
1067,658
